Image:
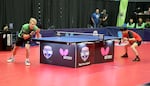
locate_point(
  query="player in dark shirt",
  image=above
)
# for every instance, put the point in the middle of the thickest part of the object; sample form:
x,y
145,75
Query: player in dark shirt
x,y
133,39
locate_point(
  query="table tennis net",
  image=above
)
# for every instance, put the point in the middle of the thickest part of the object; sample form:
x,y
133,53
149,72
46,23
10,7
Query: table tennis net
x,y
79,34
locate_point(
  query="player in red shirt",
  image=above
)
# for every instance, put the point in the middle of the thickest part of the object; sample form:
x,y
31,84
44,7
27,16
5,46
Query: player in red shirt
x,y
133,40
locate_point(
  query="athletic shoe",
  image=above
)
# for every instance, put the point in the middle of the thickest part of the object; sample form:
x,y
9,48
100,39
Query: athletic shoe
x,y
11,59
27,62
125,55
136,59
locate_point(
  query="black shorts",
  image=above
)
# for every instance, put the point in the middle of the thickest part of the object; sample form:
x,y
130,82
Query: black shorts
x,y
139,42
22,42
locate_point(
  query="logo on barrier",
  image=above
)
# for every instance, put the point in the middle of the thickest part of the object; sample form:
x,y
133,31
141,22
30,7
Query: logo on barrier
x,y
108,57
47,51
85,53
63,52
104,51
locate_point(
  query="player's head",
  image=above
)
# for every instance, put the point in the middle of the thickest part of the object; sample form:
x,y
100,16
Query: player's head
x,y
131,20
97,10
124,30
140,20
32,23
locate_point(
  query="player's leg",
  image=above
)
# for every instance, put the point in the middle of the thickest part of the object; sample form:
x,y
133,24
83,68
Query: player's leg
x,y
27,61
126,50
14,50
134,46
11,59
18,43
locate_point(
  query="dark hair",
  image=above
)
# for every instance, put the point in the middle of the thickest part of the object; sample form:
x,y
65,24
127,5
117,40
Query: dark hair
x,y
96,8
123,29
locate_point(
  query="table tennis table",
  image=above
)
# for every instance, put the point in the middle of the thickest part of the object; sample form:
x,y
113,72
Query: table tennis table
x,y
76,51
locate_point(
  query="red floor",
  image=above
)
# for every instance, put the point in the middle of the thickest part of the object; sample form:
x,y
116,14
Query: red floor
x,y
121,72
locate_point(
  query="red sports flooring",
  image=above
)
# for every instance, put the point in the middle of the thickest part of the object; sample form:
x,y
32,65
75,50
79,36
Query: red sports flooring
x,y
121,72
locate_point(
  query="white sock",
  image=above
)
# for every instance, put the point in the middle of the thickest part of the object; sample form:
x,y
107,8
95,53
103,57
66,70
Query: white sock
x,y
12,56
27,59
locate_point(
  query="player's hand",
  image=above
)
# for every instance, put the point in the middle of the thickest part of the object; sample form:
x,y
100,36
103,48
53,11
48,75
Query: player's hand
x,y
32,33
125,39
26,36
38,35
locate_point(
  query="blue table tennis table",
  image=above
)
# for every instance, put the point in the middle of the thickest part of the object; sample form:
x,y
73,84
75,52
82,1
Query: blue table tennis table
x,y
76,51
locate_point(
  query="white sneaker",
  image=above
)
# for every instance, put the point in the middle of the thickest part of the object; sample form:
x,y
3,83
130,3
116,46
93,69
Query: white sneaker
x,y
27,62
11,59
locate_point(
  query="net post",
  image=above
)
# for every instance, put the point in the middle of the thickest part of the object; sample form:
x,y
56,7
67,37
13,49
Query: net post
x,y
58,33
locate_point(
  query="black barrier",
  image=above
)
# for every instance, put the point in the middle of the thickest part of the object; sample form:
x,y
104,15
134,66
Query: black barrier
x,y
6,41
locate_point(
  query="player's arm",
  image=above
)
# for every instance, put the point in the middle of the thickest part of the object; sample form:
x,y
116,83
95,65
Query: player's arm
x,y
92,18
23,35
26,36
37,35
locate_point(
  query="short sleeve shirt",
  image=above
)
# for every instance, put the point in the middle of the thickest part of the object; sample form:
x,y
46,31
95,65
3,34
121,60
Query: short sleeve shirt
x,y
96,17
26,30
